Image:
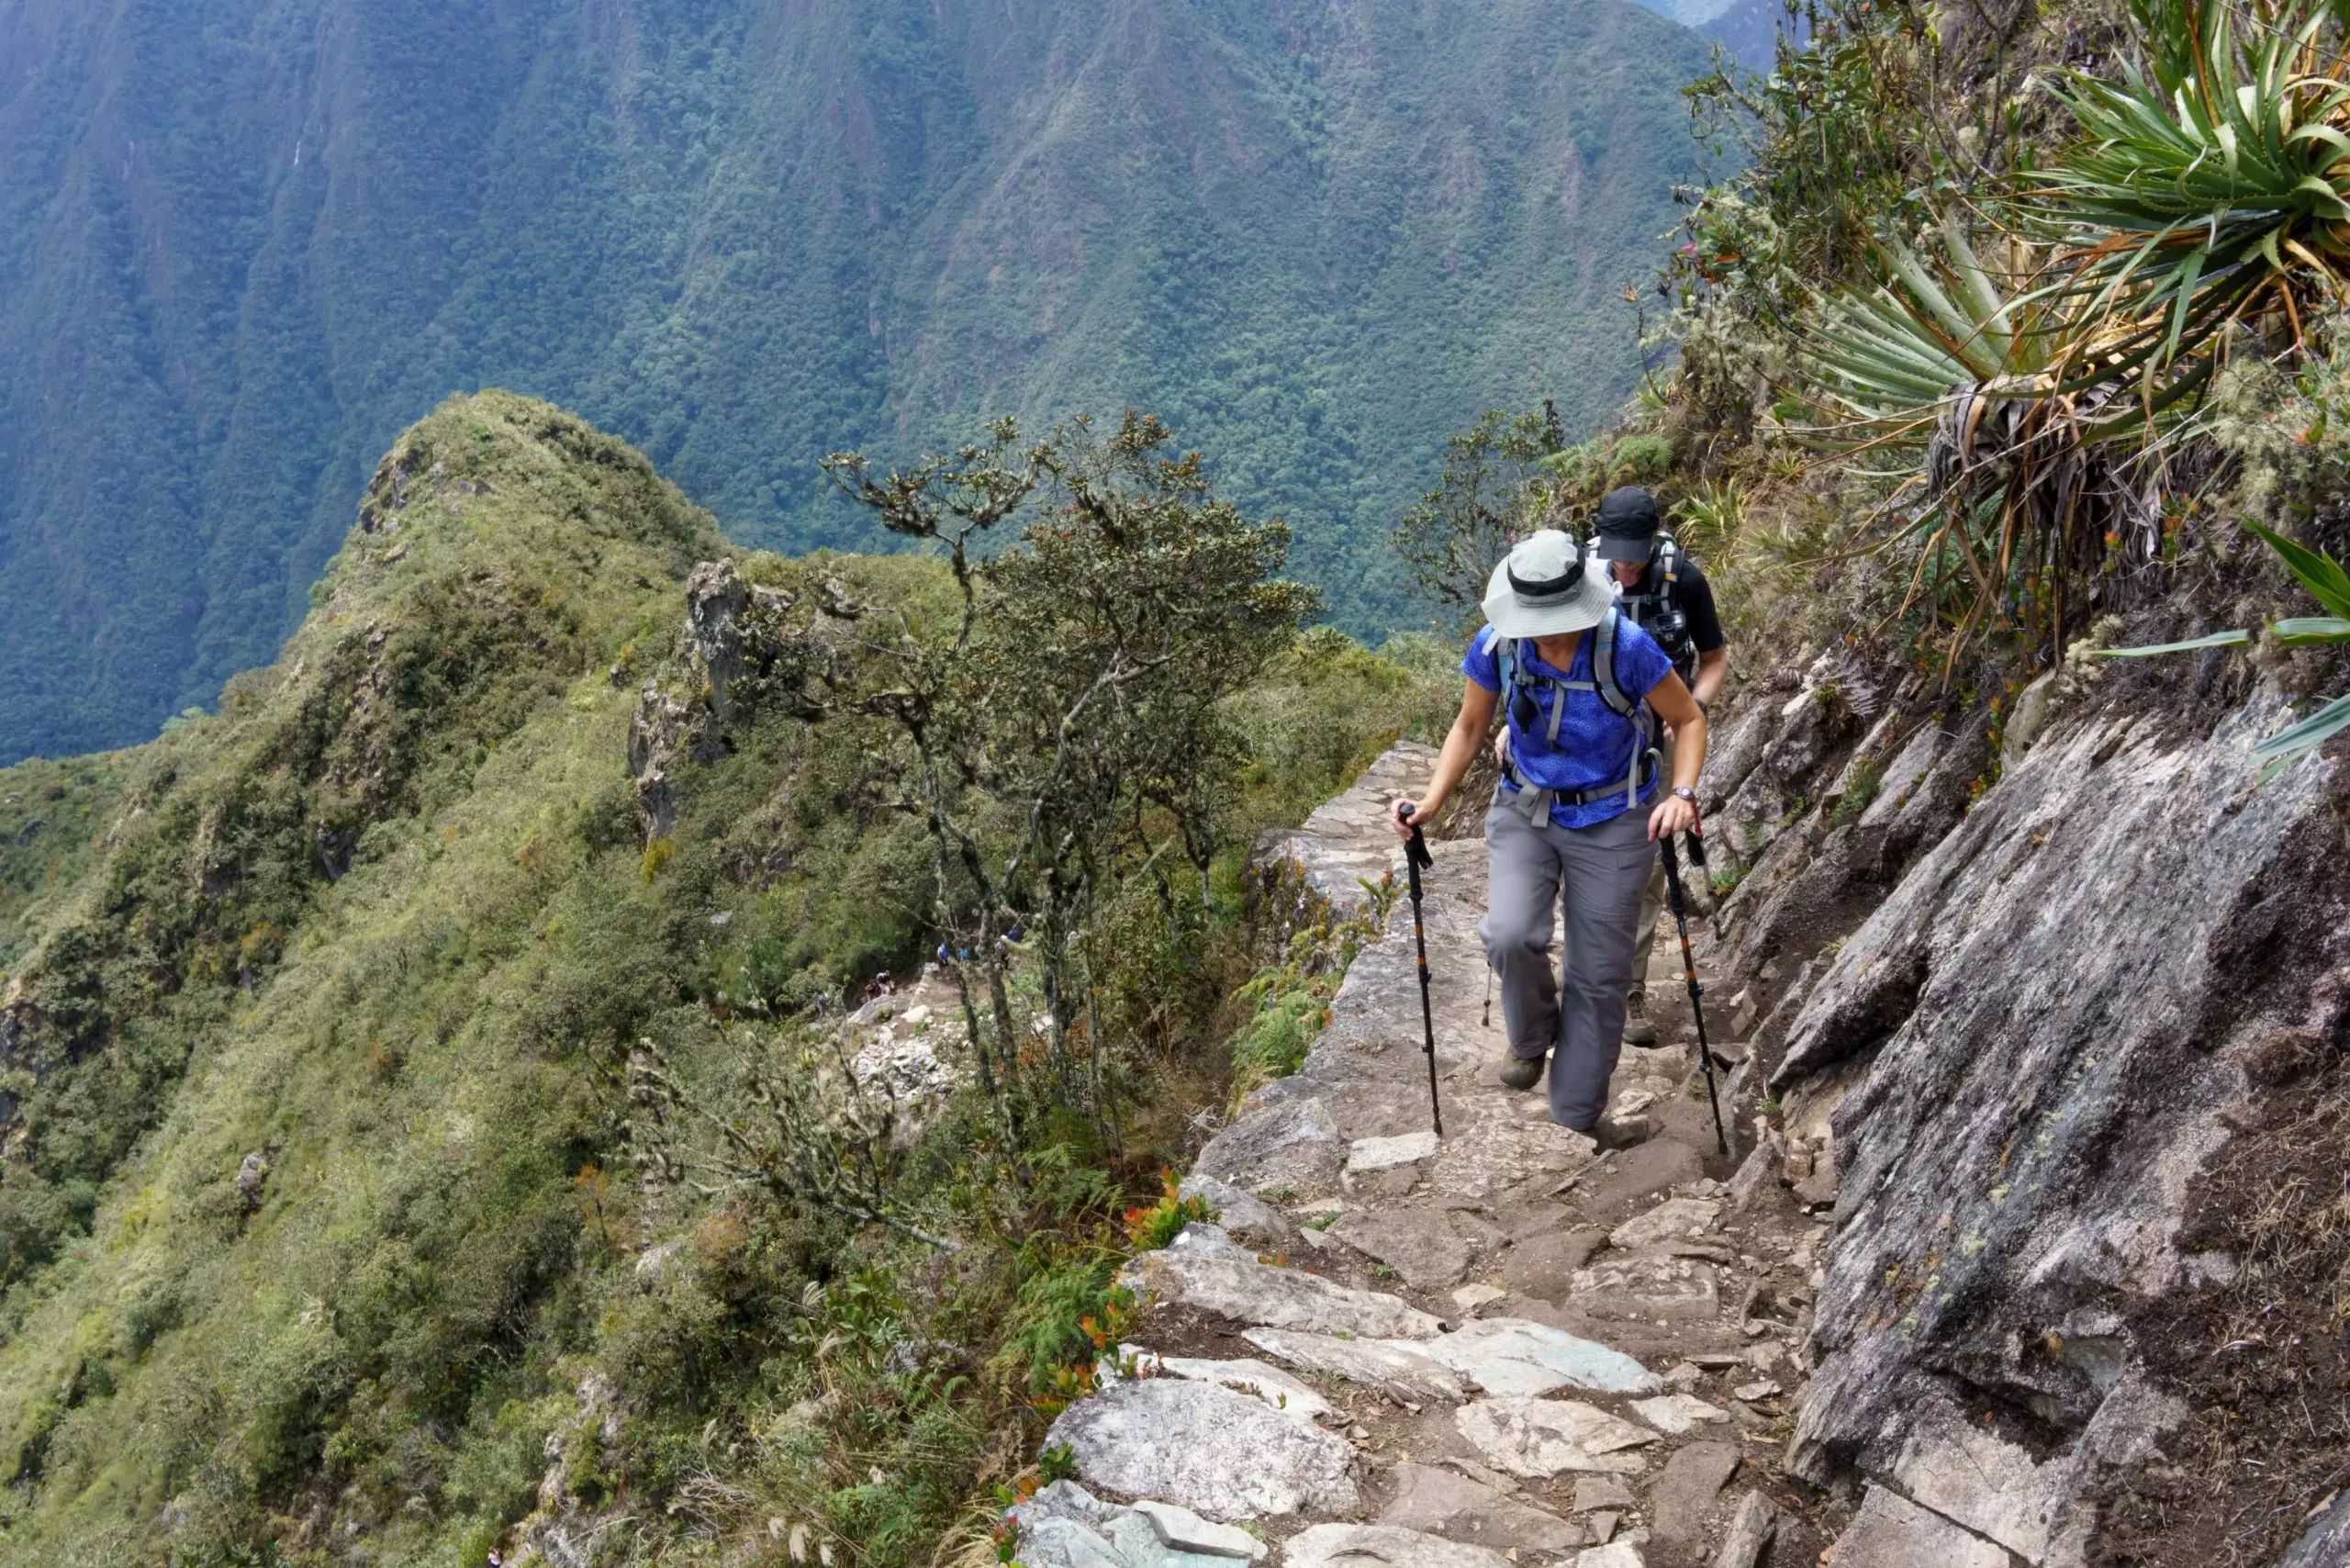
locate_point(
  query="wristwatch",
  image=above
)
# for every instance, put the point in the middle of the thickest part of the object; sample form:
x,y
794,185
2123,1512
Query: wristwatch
x,y
1683,792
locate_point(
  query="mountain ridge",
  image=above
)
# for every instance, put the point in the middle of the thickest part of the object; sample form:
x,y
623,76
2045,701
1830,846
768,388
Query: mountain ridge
x,y
244,250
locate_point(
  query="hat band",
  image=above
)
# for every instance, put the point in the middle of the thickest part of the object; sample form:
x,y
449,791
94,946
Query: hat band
x,y
1547,590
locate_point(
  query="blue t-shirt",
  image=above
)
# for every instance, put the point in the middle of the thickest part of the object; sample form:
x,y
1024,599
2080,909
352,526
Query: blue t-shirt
x,y
1594,745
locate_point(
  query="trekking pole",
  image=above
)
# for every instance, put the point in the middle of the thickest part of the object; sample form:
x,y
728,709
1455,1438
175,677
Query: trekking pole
x,y
1417,855
1680,903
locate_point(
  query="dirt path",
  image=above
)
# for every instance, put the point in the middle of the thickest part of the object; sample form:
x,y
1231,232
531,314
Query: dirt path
x,y
1492,1347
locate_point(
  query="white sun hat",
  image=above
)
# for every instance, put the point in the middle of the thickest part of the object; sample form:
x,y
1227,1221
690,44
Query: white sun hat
x,y
1542,589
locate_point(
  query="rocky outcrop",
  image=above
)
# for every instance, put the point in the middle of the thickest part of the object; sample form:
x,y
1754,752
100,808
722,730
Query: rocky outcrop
x,y
2056,1009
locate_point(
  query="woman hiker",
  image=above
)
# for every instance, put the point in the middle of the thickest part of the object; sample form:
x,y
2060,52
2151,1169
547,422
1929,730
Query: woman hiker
x,y
1568,828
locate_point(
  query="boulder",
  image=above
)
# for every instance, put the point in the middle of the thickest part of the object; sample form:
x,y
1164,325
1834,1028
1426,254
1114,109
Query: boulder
x,y
1220,1453
1064,1526
1750,1530
1256,1292
1285,1142
1674,1414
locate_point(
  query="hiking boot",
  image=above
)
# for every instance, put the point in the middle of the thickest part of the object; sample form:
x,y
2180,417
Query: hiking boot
x,y
1639,1028
1522,1072
1618,1132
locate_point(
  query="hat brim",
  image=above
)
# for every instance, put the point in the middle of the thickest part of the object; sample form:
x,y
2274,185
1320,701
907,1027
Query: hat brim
x,y
1514,618
1617,549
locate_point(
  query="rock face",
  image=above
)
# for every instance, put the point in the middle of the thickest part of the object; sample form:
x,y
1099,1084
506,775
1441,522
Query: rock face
x,y
1211,1449
2049,1015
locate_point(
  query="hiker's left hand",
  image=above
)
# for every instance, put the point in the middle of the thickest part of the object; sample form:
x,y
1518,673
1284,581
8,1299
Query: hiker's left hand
x,y
1672,814
1395,819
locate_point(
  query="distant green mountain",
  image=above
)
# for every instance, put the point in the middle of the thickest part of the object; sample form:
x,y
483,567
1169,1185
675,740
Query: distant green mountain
x,y
243,243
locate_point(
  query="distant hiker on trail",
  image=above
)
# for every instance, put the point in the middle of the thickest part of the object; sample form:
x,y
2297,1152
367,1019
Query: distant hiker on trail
x,y
1576,679
1665,590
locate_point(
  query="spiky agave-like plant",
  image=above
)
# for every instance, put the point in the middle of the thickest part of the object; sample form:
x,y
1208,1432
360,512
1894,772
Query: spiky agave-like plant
x,y
2029,429
2213,182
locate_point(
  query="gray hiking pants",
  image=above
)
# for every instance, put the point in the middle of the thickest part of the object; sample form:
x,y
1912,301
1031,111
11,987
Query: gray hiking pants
x,y
1652,899
1596,875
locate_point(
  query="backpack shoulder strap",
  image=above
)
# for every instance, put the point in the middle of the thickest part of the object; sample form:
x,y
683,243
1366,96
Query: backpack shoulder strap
x,y
1505,652
1668,555
1603,668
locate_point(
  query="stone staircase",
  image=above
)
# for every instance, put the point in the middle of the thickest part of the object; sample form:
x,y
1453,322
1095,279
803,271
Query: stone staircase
x,y
1494,1347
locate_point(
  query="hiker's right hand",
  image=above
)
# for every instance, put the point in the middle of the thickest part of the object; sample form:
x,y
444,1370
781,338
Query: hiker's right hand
x,y
1501,746
1418,812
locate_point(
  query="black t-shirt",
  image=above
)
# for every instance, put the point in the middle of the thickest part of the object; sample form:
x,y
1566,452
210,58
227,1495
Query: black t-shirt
x,y
1695,597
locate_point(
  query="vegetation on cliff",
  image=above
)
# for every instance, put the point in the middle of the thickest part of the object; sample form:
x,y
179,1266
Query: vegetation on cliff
x,y
387,1158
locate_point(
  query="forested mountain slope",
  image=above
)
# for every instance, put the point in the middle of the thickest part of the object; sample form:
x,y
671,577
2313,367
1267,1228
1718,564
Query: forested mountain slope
x,y
241,245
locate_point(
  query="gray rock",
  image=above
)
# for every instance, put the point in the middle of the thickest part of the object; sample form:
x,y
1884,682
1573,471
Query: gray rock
x,y
1248,1218
1245,1375
1542,1438
1750,1530
1675,1219
1280,1298
1498,1155
1513,1357
1615,1555
1901,778
2029,716
1404,1365
1438,1502
1977,1479
1064,1526
1890,1531
1421,1245
1367,1155
1674,1414
1290,1142
1596,1492
1546,1265
1184,1533
1382,1546
1212,1239
1998,1171
1647,1288
1219,1453
2327,1542
1683,1492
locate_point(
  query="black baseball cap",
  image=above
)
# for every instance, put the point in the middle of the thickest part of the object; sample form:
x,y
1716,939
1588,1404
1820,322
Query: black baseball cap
x,y
1628,523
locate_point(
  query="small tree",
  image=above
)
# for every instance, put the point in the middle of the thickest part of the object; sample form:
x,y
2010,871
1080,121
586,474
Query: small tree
x,y
1066,728
1493,488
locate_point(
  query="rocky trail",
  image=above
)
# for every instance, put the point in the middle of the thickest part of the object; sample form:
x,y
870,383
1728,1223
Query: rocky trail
x,y
1496,1346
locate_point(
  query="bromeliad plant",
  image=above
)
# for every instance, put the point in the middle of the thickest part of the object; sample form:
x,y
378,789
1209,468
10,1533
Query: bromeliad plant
x,y
2214,182
2210,190
2030,442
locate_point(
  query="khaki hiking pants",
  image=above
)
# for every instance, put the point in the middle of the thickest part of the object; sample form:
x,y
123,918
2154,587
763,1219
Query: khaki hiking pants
x,y
1594,876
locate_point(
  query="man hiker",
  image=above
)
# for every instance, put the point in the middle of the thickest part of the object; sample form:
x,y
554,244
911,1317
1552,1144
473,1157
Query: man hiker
x,y
1574,820
1665,591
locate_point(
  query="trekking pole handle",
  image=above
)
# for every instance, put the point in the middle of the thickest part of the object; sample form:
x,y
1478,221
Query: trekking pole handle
x,y
1416,849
